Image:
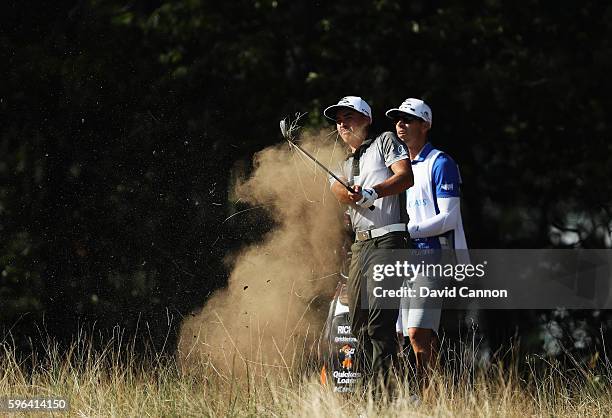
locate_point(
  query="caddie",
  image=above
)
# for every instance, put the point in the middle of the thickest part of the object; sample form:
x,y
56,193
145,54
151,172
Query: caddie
x,y
433,205
378,170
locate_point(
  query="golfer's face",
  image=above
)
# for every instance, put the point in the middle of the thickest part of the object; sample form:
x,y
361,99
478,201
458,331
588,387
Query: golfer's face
x,y
351,123
410,128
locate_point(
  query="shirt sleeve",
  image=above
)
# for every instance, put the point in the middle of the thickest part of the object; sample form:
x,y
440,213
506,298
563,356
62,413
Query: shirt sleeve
x,y
392,148
445,175
338,171
447,219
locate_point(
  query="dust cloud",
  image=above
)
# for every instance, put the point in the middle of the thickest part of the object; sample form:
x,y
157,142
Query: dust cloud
x,y
265,319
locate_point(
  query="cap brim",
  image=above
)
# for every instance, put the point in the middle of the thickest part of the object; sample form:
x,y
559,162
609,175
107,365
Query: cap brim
x,y
395,113
330,112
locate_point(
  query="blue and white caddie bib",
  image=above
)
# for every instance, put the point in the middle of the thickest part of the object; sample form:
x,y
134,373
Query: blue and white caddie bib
x,y
436,175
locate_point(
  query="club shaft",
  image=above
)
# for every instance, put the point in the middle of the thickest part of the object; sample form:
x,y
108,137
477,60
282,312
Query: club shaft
x,y
288,137
327,170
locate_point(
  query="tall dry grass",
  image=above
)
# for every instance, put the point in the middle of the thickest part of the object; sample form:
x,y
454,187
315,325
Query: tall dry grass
x,y
115,382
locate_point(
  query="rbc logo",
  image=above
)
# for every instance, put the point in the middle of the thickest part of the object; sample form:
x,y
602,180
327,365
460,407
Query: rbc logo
x,y
344,329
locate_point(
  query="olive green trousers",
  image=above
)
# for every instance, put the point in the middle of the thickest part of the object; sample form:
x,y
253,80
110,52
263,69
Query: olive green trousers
x,y
373,319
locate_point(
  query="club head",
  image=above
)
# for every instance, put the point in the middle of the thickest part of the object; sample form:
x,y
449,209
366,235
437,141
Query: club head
x,y
284,128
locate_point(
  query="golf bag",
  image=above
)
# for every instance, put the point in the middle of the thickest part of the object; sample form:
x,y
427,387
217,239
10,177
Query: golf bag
x,y
338,347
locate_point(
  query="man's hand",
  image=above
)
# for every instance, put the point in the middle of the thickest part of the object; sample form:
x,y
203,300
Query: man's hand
x,y
354,197
368,196
413,227
343,195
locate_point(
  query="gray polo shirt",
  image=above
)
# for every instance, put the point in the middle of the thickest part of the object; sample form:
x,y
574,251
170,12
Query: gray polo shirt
x,y
374,164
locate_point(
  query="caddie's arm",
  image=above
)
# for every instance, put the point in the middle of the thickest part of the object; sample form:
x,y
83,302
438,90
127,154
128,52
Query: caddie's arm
x,y
447,181
401,179
447,219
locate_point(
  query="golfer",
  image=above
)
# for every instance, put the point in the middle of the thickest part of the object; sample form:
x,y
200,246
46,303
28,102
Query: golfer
x,y
379,171
434,211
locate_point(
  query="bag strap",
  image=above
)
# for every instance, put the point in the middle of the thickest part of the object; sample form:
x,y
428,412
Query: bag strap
x,y
357,156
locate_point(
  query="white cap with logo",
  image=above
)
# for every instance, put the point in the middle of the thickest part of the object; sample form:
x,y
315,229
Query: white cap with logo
x,y
350,102
415,107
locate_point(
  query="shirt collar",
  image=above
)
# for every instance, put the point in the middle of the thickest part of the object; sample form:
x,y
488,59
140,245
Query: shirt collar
x,y
361,149
423,153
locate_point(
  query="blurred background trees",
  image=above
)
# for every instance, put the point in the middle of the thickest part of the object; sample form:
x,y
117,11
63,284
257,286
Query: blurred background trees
x,y
121,123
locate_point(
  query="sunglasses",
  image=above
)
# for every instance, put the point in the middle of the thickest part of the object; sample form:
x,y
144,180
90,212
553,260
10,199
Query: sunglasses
x,y
407,119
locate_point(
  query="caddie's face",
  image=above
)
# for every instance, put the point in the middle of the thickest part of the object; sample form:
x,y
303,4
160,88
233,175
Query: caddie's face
x,y
351,125
411,129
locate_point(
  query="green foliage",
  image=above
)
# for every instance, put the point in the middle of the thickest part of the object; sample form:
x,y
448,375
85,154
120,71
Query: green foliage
x,y
122,122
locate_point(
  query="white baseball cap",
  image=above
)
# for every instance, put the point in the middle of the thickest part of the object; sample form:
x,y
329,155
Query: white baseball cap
x,y
415,107
350,102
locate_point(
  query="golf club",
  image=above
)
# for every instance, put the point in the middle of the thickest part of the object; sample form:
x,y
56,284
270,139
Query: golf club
x,y
287,132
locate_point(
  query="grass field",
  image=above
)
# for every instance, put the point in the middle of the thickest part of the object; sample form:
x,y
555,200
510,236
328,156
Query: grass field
x,y
111,383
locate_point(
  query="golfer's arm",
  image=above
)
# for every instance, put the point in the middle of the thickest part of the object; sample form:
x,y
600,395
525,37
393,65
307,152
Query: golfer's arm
x,y
340,192
398,182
